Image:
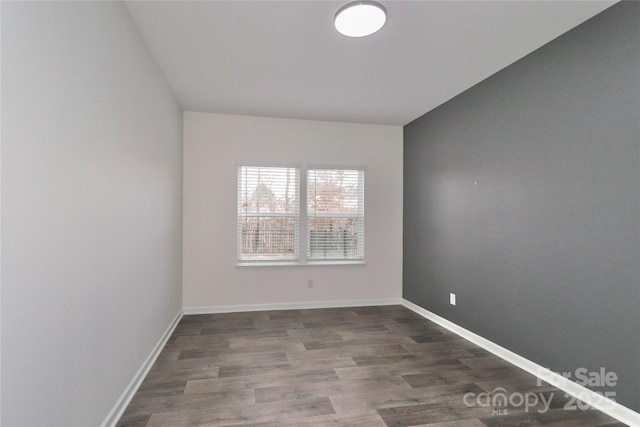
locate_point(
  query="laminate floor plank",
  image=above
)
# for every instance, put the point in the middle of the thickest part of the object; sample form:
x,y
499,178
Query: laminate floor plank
x,y
341,367
242,415
352,351
363,401
369,419
330,389
160,404
299,376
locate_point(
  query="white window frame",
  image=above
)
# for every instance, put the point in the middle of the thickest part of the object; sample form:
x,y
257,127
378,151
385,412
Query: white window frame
x,y
302,230
356,253
242,217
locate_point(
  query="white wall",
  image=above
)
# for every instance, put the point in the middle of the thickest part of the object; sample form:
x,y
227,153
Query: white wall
x,y
215,144
91,209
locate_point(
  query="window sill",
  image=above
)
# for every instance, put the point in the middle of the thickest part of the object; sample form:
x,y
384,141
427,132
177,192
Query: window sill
x,y
349,262
298,264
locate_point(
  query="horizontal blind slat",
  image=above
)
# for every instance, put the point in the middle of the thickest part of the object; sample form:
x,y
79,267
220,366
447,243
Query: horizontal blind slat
x,y
335,214
268,213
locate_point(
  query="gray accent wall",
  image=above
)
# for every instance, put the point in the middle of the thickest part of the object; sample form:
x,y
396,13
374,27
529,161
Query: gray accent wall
x,y
522,196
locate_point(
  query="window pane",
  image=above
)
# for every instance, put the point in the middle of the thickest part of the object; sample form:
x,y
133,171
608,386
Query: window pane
x,y
268,213
334,191
335,214
333,238
269,238
268,190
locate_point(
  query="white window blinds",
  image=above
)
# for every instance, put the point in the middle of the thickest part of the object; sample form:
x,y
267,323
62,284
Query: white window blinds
x,y
268,213
335,214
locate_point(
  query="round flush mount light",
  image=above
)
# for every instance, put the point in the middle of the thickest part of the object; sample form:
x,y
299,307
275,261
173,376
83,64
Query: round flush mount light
x,y
360,18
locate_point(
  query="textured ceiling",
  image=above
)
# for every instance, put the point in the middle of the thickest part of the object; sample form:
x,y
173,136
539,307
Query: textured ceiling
x,y
285,59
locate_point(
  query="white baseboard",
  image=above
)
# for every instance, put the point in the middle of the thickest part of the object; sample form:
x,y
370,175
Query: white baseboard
x,y
599,402
118,409
290,306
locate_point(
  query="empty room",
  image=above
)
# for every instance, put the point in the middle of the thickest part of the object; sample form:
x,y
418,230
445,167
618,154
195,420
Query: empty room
x,y
320,213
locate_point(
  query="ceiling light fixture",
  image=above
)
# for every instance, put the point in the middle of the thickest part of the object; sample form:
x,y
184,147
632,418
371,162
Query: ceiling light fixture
x,y
360,18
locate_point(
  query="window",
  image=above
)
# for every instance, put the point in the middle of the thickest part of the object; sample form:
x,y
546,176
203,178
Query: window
x,y
335,214
268,214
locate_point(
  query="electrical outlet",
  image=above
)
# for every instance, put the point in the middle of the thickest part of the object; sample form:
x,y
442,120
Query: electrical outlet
x,y
452,299
310,283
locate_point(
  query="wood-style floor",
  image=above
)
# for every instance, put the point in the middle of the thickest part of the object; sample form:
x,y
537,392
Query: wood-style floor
x,y
342,367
